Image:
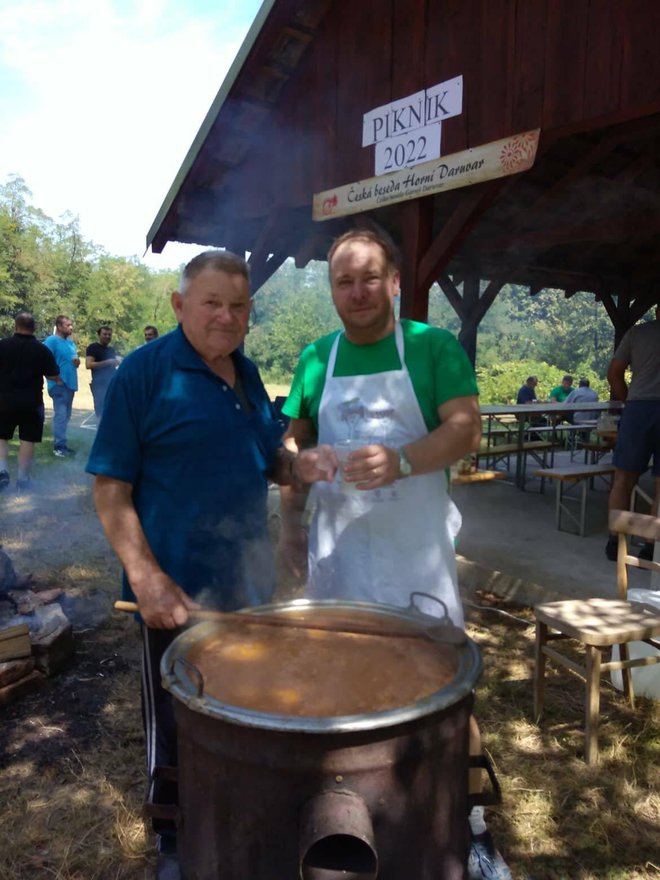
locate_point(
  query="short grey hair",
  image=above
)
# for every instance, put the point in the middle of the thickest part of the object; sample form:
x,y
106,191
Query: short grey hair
x,y
220,260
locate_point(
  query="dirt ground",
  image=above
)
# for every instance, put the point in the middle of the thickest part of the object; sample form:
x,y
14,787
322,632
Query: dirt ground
x,y
72,760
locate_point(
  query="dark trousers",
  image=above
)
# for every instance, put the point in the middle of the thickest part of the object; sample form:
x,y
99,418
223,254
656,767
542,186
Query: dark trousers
x,y
159,729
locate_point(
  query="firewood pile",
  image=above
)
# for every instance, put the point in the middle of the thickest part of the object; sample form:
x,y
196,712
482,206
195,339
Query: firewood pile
x,y
36,636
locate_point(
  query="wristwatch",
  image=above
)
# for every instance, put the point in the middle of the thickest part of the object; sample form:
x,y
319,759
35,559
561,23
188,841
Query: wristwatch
x,y
405,467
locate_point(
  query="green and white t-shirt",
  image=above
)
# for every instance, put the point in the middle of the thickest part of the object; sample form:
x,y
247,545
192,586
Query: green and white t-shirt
x,y
439,368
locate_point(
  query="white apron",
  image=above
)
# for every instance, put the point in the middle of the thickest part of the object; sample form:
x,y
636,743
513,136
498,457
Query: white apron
x,y
381,545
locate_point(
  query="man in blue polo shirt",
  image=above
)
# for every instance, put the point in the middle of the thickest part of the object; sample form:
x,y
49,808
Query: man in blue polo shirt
x,y
182,459
66,357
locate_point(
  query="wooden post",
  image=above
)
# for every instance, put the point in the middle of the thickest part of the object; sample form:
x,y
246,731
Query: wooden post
x,y
416,226
470,322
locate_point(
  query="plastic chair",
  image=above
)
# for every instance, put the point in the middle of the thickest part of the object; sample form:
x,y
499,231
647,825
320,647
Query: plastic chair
x,y
598,625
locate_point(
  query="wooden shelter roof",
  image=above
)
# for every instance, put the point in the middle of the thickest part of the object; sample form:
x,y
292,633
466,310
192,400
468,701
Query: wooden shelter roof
x,y
287,123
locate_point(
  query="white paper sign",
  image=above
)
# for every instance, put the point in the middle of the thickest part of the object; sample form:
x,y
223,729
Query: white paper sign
x,y
414,148
434,104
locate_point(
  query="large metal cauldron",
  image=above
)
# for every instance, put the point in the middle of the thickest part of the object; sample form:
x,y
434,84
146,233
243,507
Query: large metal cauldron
x,y
266,796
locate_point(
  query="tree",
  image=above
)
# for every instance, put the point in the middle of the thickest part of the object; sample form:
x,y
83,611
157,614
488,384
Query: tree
x,y
290,311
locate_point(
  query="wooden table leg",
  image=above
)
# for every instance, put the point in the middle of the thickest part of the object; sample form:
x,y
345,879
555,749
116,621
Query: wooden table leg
x,y
592,704
539,669
559,493
626,674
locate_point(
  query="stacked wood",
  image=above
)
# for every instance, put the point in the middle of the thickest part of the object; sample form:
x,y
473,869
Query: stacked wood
x,y
14,641
17,678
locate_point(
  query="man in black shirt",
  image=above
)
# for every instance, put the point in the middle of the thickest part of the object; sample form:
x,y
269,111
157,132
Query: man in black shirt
x,y
102,360
527,392
23,363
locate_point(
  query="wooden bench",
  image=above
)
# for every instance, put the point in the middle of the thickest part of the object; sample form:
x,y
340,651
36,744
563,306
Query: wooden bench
x,y
567,479
538,449
597,450
565,433
476,477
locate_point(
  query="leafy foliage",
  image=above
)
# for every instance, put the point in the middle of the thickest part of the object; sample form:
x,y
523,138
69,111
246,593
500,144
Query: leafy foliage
x,y
47,268
290,311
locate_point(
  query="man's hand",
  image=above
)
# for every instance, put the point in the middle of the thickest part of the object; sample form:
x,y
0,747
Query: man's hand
x,y
372,466
162,603
315,465
76,362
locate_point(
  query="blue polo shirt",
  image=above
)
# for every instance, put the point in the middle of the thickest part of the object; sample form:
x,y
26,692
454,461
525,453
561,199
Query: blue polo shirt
x,y
64,350
198,464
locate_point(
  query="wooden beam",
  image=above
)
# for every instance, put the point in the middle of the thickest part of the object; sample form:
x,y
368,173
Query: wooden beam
x,y
630,115
260,273
642,225
453,296
314,247
473,203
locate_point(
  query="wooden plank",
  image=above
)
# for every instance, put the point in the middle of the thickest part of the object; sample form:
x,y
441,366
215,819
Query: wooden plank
x,y
597,621
325,129
572,473
13,670
12,630
606,26
502,449
476,477
529,65
409,25
11,692
15,648
364,58
565,62
493,119
640,69
640,524
451,48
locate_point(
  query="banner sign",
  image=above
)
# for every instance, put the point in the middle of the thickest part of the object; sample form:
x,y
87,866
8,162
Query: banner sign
x,y
486,162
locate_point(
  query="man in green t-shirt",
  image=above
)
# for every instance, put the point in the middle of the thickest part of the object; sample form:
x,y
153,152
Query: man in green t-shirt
x,y
403,397
560,392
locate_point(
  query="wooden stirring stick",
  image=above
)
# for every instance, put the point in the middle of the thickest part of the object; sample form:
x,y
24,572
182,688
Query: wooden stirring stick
x,y
440,633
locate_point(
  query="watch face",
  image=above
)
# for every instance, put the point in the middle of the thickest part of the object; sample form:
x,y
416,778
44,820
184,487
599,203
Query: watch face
x,y
404,465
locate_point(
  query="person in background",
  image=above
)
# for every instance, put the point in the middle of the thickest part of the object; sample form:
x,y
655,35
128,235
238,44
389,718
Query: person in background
x,y
582,394
62,393
560,392
182,494
527,392
102,360
639,429
407,393
150,333
23,363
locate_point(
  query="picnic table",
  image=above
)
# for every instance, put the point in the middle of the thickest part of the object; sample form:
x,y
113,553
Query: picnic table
x,y
523,413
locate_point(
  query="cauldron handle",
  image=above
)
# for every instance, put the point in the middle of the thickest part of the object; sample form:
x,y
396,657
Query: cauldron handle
x,y
442,629
445,614
193,672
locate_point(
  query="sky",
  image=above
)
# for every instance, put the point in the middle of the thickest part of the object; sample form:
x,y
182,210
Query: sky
x,y
100,101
